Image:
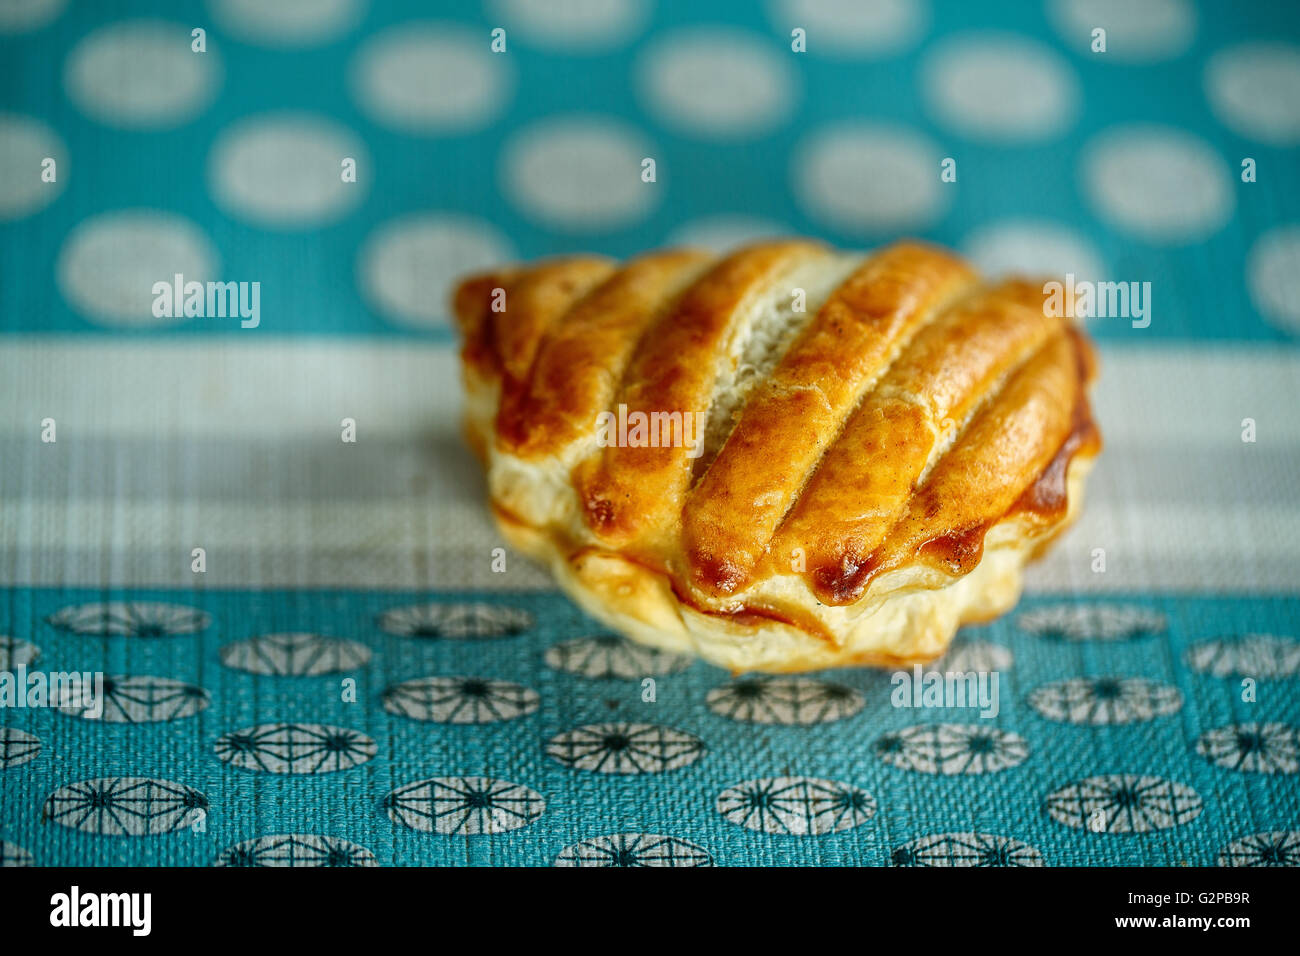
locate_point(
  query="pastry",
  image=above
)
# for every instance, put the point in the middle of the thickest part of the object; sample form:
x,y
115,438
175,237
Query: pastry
x,y
784,459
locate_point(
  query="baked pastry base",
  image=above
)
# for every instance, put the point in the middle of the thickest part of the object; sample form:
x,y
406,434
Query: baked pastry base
x,y
914,625
827,524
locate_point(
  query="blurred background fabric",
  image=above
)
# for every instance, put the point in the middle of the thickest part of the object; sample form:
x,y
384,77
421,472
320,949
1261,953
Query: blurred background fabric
x,y
352,158
226,164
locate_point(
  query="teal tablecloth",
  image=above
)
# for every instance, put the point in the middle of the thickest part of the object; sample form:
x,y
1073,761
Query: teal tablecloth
x,y
339,676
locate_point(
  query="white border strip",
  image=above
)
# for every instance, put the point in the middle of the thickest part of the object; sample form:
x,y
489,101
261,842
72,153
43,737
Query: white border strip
x,y
164,446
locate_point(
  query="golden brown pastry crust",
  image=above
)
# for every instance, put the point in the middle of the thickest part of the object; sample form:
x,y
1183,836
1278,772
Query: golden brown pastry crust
x,y
795,414
582,361
630,491
874,473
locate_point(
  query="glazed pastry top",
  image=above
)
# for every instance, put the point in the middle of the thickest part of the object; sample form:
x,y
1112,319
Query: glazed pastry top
x,y
857,413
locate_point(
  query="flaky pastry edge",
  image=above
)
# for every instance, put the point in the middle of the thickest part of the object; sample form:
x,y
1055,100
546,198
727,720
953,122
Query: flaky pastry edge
x,y
908,615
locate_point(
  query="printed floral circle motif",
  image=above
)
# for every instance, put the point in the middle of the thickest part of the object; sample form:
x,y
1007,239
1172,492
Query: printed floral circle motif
x,y
724,232
784,700
574,26
12,855
17,747
609,656
131,618
1032,246
1253,89
951,749
295,655
460,700
296,850
16,653
287,23
23,16
625,748
1000,87
869,178
430,78
1145,32
1124,803
966,849
27,143
125,806
136,700
109,262
1092,622
407,263
796,805
716,82
1105,700
1273,276
141,74
634,849
455,620
579,173
1161,184
1275,848
295,748
464,805
1252,747
978,657
1252,655
854,29
281,170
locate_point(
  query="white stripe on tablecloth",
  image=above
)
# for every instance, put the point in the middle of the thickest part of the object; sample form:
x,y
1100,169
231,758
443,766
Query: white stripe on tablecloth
x,y
233,445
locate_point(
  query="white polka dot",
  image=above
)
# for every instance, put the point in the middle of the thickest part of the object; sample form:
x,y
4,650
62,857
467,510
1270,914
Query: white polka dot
x,y
21,16
110,262
994,86
141,74
408,267
286,170
854,28
1254,90
869,178
1137,31
1273,275
716,82
1032,248
24,145
581,173
573,26
1158,183
725,233
291,23
431,78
